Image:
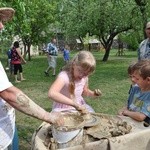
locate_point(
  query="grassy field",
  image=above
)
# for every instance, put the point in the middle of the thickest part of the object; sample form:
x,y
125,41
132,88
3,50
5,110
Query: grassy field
x,y
111,77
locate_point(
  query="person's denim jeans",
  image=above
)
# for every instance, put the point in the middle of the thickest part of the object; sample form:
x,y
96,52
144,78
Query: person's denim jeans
x,y
15,142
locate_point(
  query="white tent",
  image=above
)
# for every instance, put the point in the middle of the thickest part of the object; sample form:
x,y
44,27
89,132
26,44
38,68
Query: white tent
x,y
78,40
94,41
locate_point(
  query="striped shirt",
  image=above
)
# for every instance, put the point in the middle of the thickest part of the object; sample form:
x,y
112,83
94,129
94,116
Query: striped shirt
x,y
52,49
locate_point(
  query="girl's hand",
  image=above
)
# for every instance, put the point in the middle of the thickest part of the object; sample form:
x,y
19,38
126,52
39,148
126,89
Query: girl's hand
x,y
80,108
97,92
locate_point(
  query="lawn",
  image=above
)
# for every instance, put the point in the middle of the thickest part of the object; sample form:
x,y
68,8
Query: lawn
x,y
111,77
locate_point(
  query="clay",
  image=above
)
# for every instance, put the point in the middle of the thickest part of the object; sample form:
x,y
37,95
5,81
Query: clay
x,y
71,121
87,116
107,127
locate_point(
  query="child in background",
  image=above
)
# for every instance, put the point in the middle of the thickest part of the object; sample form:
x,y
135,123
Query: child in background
x,y
139,98
130,73
71,84
66,54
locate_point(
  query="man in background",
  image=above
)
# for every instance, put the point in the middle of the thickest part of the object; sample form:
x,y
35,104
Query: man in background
x,y
52,53
144,47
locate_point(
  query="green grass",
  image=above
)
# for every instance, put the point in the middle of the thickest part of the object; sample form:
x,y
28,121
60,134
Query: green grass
x,y
111,77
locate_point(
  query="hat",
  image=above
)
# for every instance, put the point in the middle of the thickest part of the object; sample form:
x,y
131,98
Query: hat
x,y
6,14
148,25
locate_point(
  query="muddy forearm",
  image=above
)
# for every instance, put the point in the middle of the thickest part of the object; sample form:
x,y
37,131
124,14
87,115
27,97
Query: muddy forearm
x,y
27,106
24,104
17,99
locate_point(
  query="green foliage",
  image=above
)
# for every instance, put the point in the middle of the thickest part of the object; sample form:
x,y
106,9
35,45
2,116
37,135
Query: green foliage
x,y
132,39
31,21
94,17
36,20
105,19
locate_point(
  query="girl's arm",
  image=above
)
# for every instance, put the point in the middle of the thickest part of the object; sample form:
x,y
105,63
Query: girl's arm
x,y
87,92
54,93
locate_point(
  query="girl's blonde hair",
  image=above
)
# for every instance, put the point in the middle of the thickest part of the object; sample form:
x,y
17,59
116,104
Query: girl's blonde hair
x,y
143,68
84,59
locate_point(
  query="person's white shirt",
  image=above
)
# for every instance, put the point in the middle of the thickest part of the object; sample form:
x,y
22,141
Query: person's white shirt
x,y
7,114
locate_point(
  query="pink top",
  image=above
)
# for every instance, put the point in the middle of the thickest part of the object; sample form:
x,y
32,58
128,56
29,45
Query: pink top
x,y
79,85
15,58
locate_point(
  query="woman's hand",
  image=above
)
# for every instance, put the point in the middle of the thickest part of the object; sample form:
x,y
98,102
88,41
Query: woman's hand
x,y
25,62
56,118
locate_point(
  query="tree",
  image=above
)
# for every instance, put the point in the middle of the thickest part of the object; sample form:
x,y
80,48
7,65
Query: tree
x,y
102,18
31,20
143,4
76,18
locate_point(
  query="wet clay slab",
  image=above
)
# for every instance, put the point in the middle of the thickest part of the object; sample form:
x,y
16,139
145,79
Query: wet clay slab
x,y
108,127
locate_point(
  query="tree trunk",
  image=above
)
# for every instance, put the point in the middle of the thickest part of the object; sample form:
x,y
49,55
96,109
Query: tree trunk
x,y
29,52
107,45
89,47
106,55
25,50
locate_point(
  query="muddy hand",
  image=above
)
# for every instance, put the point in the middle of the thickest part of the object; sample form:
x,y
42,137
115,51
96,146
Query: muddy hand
x,y
80,108
56,118
97,92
